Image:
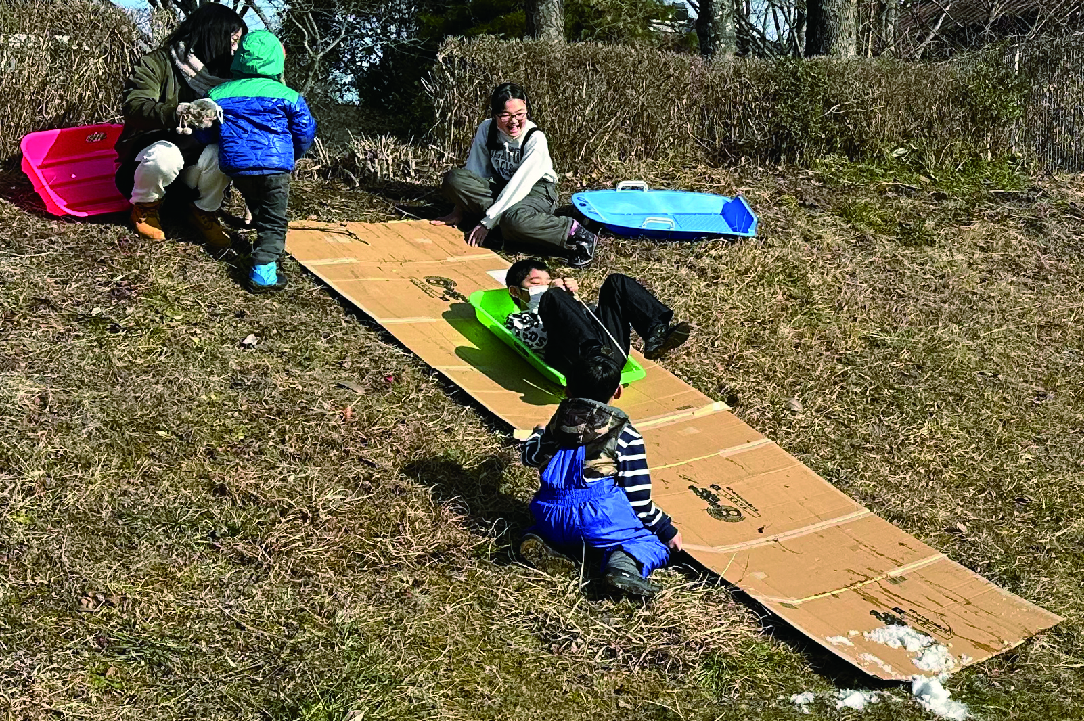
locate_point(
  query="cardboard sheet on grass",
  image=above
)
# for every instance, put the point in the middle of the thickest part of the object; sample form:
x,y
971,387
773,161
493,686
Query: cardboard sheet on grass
x,y
746,508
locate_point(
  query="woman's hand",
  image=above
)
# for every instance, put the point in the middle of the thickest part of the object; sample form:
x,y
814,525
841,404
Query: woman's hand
x,y
675,542
478,235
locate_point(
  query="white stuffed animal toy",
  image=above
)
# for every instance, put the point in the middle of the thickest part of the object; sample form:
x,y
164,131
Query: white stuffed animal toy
x,y
198,114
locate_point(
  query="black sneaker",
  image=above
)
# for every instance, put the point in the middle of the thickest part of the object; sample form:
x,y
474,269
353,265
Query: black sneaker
x,y
665,338
623,573
581,242
538,554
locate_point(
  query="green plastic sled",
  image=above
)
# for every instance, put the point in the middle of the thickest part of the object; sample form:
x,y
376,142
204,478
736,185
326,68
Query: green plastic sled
x,y
493,306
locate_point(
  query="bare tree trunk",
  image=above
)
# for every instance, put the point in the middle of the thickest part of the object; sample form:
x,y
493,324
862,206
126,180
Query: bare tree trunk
x,y
743,31
889,15
832,28
799,30
546,20
715,28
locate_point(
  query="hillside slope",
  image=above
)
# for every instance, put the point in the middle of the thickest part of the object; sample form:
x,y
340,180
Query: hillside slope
x,y
196,524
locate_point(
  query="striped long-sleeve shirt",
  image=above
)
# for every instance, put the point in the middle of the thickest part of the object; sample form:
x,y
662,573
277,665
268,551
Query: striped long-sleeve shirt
x,y
633,476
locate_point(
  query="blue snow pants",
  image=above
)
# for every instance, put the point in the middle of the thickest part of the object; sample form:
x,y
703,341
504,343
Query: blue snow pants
x,y
570,513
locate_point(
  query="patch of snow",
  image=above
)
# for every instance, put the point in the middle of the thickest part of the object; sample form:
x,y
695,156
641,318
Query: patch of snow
x,y
839,641
870,658
856,700
965,659
897,636
802,700
933,697
852,633
936,660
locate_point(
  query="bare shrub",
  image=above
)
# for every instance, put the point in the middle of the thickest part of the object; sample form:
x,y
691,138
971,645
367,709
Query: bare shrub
x,y
372,158
599,104
62,63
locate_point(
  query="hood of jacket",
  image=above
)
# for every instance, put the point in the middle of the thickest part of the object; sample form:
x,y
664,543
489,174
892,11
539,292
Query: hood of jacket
x,y
259,54
581,422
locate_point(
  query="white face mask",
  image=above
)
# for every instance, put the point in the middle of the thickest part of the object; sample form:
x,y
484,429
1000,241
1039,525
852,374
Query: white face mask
x,y
536,292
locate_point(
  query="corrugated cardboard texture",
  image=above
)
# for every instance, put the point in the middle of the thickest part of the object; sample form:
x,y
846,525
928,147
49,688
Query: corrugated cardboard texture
x,y
746,509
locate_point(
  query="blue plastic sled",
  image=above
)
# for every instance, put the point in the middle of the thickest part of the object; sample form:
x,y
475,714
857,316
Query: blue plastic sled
x,y
633,209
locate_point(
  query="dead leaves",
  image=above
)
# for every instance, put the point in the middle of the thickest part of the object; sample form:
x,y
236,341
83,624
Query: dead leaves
x,y
93,602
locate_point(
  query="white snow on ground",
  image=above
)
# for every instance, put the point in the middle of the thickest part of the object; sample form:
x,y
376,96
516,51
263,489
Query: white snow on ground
x,y
897,636
935,657
855,699
870,658
802,700
933,697
839,641
935,660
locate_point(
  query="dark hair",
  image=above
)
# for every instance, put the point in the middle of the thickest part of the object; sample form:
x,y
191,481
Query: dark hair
x,y
597,376
206,33
505,92
521,269
501,95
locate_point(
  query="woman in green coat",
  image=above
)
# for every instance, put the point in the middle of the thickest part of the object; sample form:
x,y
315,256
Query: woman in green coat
x,y
154,150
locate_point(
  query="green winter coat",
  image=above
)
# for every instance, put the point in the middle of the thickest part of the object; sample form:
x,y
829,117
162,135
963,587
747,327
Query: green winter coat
x,y
150,98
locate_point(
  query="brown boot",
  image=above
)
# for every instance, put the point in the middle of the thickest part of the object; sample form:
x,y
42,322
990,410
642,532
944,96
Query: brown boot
x,y
146,221
206,222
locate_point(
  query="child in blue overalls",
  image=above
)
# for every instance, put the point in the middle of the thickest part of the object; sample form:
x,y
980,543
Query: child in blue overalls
x,y
596,486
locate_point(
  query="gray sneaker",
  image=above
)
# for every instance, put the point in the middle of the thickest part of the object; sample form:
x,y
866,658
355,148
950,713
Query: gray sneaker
x,y
623,573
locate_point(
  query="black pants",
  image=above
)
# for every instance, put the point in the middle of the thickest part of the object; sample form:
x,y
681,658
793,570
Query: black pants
x,y
530,222
623,306
267,197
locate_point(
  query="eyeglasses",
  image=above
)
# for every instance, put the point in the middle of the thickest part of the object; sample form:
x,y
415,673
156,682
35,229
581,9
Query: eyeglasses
x,y
511,116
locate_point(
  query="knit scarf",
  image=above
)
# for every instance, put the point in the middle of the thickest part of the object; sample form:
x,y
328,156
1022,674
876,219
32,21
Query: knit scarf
x,y
192,70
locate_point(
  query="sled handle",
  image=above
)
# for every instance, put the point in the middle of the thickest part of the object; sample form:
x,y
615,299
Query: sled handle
x,y
668,221
629,184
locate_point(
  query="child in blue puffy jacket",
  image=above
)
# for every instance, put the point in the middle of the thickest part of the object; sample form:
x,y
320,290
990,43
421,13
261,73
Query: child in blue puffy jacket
x,y
265,128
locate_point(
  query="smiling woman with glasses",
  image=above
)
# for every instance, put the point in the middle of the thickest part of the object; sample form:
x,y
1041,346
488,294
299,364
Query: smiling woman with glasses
x,y
509,182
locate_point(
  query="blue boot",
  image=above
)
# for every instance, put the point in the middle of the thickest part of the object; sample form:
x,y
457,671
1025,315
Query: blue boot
x,y
266,278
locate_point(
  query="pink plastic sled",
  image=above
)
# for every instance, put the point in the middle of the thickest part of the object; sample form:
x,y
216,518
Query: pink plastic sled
x,y
72,169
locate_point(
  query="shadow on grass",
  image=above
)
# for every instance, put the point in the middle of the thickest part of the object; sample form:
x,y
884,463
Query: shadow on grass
x,y
823,662
16,188
420,200
478,490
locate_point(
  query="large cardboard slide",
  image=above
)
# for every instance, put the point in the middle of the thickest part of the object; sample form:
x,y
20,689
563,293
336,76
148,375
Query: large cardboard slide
x,y
746,508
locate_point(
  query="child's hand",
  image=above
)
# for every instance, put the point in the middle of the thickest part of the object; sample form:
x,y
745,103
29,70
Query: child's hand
x,y
568,284
675,542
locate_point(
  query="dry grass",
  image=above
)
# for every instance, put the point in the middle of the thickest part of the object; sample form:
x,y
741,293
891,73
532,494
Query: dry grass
x,y
369,159
192,528
62,63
